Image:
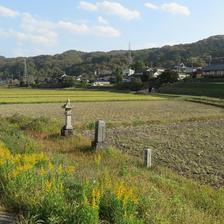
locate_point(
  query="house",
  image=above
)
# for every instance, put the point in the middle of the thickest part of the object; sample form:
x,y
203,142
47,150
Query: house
x,y
128,72
182,75
127,75
213,70
101,83
157,72
184,71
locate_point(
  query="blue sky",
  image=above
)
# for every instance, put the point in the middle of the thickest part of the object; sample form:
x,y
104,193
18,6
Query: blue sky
x,y
33,27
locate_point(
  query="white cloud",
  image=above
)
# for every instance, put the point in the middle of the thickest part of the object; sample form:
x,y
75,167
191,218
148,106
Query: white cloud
x,y
4,34
102,20
73,27
172,7
99,30
31,24
43,33
151,6
112,8
118,9
176,9
106,30
87,6
6,12
39,31
48,39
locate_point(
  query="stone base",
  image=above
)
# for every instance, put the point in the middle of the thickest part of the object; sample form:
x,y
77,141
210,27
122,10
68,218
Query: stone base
x,y
96,145
66,132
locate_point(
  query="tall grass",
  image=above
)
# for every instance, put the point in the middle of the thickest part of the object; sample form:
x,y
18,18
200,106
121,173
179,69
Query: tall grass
x,y
90,188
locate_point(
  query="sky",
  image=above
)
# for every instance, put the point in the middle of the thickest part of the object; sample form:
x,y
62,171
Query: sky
x,y
34,27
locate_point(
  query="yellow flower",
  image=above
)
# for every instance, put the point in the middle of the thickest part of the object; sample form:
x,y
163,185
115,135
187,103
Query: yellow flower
x,y
60,170
47,186
42,172
50,166
70,169
95,198
14,173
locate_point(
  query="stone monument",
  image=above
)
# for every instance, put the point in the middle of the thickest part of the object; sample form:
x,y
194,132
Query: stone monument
x,y
100,134
67,128
148,158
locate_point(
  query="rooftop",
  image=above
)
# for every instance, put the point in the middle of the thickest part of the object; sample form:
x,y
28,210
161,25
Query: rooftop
x,y
214,67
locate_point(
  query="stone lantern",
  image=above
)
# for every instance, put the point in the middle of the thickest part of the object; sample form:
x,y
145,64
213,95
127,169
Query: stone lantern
x,y
67,128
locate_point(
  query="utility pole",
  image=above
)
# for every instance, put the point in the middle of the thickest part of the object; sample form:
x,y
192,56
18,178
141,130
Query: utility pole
x,y
25,73
129,55
210,59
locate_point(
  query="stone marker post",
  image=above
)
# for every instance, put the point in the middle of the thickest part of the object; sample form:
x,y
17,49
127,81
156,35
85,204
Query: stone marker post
x,y
148,158
67,128
100,134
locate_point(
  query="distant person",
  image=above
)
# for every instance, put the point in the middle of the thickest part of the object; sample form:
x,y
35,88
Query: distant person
x,y
153,90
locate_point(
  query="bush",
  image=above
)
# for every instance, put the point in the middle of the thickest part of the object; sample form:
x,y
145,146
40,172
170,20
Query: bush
x,y
119,206
43,124
136,84
168,76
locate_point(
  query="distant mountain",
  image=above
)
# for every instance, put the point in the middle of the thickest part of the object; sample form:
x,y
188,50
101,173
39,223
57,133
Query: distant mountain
x,y
76,62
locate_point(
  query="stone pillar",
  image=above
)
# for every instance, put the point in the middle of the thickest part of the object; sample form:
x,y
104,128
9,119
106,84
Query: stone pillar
x,y
148,158
100,134
67,128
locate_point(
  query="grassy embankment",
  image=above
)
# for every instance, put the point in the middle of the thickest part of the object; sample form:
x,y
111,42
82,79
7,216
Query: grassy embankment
x,y
59,180
201,87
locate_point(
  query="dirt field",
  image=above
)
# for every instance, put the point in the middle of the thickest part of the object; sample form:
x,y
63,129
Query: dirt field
x,y
185,136
120,113
194,149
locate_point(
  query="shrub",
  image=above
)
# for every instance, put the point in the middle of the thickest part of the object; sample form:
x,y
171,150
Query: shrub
x,y
42,124
119,206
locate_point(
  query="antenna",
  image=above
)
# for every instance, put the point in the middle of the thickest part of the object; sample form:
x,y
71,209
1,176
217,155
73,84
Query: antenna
x,y
129,54
25,73
210,59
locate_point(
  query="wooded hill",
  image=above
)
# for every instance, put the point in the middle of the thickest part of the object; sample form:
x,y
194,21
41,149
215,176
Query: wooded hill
x,y
76,63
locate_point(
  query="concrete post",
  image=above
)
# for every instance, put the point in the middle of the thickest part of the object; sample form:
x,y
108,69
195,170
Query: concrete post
x,y
100,134
148,158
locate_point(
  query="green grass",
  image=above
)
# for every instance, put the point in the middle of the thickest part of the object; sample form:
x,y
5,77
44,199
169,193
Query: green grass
x,y
161,195
195,88
207,100
23,95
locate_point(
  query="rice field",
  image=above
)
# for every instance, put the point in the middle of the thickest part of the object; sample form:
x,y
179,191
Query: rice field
x,y
19,95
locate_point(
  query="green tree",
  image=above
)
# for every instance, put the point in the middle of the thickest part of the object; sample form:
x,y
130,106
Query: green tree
x,y
168,76
118,75
139,66
136,84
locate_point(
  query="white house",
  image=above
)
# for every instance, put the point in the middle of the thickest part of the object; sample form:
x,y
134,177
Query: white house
x,y
101,83
128,72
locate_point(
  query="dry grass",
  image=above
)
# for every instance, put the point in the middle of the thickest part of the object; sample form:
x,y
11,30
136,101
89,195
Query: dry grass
x,y
185,136
120,113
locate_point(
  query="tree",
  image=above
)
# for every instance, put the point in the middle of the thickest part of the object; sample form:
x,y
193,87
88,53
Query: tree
x,y
168,76
136,84
145,76
139,66
118,75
